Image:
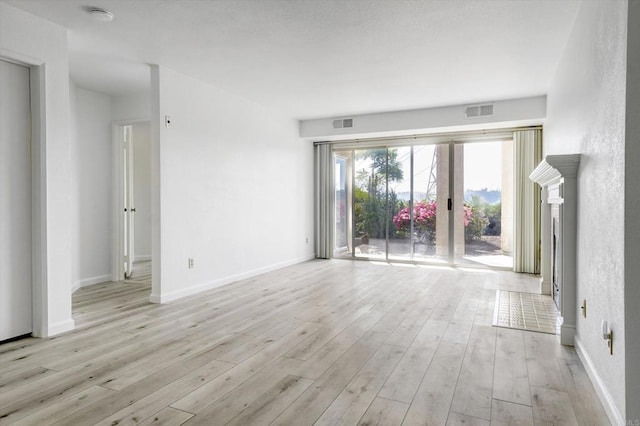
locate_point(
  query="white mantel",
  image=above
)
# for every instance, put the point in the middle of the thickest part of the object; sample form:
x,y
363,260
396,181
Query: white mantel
x,y
555,167
557,175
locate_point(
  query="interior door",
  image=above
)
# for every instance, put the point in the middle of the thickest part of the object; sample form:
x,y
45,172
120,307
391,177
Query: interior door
x,y
129,209
15,202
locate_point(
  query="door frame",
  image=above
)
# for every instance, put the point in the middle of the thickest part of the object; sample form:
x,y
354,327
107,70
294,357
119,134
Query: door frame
x,y
117,238
452,143
39,258
348,204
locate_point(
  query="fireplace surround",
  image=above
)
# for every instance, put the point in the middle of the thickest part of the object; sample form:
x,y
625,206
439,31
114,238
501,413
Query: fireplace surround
x,y
557,175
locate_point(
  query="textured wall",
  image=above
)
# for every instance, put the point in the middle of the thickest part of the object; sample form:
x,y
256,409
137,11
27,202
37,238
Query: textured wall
x,y
632,207
586,114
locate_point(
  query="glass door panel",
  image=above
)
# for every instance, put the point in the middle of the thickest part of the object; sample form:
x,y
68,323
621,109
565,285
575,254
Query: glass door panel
x,y
484,218
430,215
392,201
370,203
399,201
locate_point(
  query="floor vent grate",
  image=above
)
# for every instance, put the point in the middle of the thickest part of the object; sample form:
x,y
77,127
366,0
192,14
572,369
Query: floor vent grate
x,y
525,311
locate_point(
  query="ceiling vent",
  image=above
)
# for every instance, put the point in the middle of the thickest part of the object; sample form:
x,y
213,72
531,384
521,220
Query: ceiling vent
x,y
479,111
343,124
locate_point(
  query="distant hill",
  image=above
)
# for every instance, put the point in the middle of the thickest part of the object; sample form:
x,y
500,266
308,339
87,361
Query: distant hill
x,y
491,196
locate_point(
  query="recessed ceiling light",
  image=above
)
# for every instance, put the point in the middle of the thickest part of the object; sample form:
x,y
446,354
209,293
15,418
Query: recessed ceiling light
x,y
101,15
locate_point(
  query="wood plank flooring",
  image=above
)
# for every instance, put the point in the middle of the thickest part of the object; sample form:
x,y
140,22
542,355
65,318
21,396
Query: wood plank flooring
x,y
323,342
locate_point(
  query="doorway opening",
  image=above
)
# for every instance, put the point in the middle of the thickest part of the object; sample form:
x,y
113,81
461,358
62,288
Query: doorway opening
x,y
132,202
440,203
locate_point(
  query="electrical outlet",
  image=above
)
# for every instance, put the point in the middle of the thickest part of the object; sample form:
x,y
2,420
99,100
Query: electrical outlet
x,y
191,263
307,240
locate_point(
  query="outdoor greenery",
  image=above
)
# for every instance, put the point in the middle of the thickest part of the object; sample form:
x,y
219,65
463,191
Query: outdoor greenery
x,y
371,199
377,210
424,222
475,228
490,217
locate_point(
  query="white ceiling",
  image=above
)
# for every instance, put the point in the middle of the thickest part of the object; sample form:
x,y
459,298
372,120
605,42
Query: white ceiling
x,y
321,58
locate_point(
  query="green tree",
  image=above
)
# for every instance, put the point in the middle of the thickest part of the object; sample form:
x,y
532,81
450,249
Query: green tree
x,y
478,222
494,215
373,206
384,165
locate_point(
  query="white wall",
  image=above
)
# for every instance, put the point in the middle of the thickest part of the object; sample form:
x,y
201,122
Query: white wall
x,y
236,186
631,222
142,190
136,106
29,39
74,194
507,113
586,114
91,165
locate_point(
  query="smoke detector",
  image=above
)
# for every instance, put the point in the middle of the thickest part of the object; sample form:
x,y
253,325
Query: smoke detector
x,y
99,14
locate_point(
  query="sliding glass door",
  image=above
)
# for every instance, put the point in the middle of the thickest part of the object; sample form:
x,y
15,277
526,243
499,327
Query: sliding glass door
x,y
418,228
486,174
373,170
399,223
393,200
437,203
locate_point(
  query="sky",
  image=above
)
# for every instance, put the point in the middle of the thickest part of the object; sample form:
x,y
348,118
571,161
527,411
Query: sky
x,y
482,166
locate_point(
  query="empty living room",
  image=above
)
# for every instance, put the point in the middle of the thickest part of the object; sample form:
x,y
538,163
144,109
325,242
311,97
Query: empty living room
x,y
319,212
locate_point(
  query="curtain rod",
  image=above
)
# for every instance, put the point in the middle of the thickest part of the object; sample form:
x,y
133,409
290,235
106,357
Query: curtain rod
x,y
451,135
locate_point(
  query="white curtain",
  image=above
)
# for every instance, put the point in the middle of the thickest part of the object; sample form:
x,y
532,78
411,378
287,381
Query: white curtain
x,y
324,191
527,153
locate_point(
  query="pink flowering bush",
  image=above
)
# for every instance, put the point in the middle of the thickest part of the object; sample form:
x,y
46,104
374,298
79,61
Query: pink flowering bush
x,y
424,216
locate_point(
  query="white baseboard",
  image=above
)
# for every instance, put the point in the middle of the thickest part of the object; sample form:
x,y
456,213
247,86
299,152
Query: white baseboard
x,y
60,327
90,281
545,287
567,334
189,291
612,411
155,298
142,258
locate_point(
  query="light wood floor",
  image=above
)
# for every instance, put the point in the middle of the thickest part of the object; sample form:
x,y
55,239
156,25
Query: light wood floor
x,y
324,342
141,272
